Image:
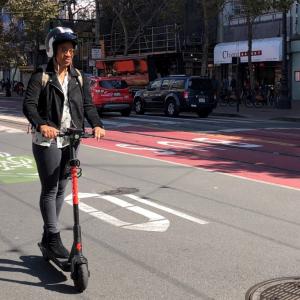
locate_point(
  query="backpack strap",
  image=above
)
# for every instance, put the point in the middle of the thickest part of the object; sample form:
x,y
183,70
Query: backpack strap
x,y
45,76
80,79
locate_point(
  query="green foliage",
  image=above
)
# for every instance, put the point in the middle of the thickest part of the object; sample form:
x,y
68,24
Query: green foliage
x,y
34,14
281,5
254,8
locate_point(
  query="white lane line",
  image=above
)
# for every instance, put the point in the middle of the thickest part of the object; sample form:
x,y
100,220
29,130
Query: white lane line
x,y
182,119
167,209
236,130
152,120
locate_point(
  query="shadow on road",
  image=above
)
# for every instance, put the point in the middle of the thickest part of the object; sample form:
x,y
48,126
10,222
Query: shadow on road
x,y
35,266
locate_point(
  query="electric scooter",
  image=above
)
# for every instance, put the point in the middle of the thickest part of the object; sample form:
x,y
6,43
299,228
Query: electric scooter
x,y
77,264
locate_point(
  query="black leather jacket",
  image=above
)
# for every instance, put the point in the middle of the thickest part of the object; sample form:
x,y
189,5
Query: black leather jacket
x,y
43,105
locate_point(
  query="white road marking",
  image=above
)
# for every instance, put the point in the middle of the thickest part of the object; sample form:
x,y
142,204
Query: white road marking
x,y
155,221
235,130
15,119
151,120
155,150
167,209
187,146
9,129
225,142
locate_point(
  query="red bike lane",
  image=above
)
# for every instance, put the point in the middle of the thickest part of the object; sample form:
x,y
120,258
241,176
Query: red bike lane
x,y
267,155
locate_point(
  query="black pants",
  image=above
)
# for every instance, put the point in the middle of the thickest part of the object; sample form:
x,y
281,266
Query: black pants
x,y
51,164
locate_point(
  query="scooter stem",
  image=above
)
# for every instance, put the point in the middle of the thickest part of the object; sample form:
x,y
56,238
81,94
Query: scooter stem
x,y
76,228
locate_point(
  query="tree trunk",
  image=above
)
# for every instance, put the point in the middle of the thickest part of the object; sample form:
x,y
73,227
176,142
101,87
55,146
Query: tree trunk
x,y
250,38
205,44
97,23
70,13
112,44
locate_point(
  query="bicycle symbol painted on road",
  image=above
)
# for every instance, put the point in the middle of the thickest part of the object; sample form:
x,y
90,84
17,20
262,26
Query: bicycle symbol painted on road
x,y
16,169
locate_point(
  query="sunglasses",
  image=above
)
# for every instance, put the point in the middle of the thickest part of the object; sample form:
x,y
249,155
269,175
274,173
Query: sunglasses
x,y
66,50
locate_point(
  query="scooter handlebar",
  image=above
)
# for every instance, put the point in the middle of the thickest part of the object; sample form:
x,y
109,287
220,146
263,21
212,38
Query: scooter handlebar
x,y
76,134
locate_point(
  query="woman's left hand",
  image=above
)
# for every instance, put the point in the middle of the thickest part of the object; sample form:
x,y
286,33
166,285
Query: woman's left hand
x,y
99,133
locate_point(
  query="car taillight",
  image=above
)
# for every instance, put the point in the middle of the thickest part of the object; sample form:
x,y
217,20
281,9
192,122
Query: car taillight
x,y
186,95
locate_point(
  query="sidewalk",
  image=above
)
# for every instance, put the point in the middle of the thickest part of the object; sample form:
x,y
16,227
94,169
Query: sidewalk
x,y
262,113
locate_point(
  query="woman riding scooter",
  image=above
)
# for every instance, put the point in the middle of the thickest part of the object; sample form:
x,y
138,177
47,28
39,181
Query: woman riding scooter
x,y
56,99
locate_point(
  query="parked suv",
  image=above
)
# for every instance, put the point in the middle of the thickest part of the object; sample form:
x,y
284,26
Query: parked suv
x,y
111,94
175,94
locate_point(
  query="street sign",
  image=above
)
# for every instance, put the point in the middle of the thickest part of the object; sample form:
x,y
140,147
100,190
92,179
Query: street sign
x,y
96,53
92,63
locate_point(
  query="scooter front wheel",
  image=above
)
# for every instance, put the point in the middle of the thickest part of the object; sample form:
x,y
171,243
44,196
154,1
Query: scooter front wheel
x,y
81,277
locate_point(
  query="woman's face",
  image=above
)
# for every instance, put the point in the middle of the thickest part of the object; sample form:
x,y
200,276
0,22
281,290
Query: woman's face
x,y
65,54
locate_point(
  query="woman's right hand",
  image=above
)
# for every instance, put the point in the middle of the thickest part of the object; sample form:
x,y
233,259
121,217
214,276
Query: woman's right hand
x,y
48,131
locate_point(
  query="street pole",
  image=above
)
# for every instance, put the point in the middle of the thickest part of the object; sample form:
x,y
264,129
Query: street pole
x,y
284,101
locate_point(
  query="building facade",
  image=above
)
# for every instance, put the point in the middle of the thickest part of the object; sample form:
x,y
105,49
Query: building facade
x,y
267,52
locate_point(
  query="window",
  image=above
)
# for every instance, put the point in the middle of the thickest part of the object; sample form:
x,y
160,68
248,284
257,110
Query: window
x,y
199,84
155,84
165,84
178,84
113,84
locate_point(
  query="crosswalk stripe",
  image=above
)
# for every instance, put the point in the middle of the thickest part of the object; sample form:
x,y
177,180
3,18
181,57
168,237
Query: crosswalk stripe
x,y
9,129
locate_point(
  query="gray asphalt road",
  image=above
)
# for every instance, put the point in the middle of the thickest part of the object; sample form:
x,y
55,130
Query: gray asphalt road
x,y
161,231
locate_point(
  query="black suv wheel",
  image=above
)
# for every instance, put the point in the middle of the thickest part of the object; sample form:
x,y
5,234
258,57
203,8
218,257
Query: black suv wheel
x,y
171,108
139,106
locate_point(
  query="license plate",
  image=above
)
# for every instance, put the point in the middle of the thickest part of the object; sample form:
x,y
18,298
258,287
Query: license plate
x,y
117,94
201,100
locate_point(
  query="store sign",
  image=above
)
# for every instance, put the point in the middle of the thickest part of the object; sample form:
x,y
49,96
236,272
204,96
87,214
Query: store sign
x,y
263,50
92,63
253,53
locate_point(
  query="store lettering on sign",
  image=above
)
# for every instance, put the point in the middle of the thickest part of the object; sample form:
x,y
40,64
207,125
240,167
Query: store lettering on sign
x,y
227,54
253,53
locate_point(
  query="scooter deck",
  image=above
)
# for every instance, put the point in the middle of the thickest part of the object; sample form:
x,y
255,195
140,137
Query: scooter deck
x,y
62,263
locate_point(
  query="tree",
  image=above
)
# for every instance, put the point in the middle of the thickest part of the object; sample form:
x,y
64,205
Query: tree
x,y
210,10
80,8
35,15
252,9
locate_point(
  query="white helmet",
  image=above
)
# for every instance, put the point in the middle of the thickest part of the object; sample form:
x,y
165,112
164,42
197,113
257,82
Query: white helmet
x,y
57,36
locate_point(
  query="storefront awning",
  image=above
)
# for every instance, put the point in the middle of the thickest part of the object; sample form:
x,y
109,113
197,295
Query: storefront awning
x,y
262,50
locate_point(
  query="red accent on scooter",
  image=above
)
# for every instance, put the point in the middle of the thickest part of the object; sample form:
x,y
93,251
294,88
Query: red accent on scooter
x,y
78,246
74,185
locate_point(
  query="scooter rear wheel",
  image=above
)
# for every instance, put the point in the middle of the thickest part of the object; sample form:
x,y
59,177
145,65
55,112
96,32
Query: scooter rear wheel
x,y
81,277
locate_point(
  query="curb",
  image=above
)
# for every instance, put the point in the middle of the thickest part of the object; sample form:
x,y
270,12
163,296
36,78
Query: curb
x,y
287,119
231,115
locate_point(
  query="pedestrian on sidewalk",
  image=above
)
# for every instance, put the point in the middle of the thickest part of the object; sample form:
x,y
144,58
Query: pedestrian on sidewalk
x,y
7,88
52,108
